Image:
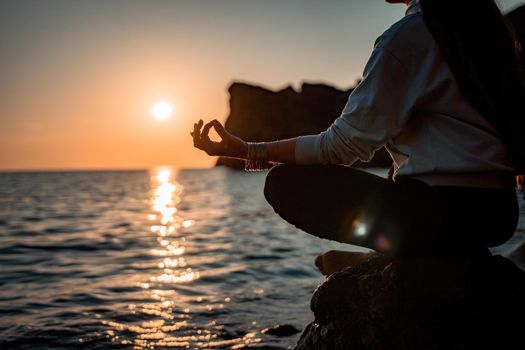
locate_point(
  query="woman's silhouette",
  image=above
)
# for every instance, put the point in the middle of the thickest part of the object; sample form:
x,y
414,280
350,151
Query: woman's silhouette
x,y
442,91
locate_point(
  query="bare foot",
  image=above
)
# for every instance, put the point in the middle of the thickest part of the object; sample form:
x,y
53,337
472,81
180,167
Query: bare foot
x,y
336,260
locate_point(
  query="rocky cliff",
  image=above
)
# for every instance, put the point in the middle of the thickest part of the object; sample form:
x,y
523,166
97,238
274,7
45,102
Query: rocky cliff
x,y
258,114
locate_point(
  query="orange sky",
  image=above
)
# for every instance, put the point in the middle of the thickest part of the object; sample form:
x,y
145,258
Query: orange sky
x,y
79,78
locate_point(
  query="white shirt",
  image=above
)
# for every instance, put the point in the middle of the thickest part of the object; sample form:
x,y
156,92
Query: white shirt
x,y
409,102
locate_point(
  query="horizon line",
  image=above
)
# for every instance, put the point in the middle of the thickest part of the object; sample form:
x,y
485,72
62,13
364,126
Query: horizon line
x,y
87,169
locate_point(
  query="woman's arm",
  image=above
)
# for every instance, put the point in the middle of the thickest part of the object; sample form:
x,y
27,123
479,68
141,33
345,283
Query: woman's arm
x,y
282,151
376,111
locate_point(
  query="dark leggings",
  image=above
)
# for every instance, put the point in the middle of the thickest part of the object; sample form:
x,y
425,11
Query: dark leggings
x,y
405,217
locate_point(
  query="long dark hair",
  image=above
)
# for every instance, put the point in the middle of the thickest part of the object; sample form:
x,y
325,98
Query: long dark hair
x,y
483,54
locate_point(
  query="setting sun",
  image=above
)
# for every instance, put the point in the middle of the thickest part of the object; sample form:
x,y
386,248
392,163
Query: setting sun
x,y
162,110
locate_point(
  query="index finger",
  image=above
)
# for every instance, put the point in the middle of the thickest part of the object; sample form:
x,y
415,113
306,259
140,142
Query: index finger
x,y
206,130
219,128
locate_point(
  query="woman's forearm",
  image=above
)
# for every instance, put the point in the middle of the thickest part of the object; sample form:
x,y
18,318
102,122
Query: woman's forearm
x,y
282,151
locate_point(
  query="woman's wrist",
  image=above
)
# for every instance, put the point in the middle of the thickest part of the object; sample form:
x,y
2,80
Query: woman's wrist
x,y
257,157
237,149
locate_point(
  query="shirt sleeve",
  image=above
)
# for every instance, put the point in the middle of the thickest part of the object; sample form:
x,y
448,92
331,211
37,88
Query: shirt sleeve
x,y
376,112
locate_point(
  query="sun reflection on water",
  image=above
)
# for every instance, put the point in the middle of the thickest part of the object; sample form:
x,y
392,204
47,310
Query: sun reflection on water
x,y
166,321
165,196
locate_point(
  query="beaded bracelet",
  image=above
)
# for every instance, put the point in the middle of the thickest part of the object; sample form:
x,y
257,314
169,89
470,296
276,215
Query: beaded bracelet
x,y
257,157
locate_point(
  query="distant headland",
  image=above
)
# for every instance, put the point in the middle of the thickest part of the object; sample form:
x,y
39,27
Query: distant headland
x,y
258,114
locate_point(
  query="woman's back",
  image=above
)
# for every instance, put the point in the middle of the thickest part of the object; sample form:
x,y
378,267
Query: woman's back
x,y
445,135
410,102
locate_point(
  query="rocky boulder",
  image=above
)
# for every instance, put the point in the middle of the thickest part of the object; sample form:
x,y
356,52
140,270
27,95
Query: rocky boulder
x,y
414,303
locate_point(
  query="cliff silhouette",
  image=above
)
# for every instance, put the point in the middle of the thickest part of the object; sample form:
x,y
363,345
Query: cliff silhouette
x,y
258,114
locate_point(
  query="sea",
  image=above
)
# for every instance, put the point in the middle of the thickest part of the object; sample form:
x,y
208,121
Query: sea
x,y
153,259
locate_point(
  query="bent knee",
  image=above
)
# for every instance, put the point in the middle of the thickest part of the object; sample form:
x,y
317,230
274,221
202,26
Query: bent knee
x,y
277,180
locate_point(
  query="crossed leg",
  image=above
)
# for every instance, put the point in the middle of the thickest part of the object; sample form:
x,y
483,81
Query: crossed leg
x,y
406,217
332,202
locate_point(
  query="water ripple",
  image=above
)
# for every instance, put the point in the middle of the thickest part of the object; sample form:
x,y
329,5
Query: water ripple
x,y
166,259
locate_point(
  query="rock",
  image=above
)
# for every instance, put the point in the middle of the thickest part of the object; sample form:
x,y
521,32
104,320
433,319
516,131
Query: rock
x,y
281,330
412,303
258,114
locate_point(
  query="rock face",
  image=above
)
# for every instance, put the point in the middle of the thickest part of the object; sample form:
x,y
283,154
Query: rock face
x,y
419,304
258,114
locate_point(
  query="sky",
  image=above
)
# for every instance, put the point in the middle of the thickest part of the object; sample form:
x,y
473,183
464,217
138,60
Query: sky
x,y
79,78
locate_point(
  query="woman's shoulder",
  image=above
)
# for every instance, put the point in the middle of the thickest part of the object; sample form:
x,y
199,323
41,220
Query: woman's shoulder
x,y
407,36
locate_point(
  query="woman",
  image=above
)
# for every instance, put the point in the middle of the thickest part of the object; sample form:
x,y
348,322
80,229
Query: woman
x,y
442,91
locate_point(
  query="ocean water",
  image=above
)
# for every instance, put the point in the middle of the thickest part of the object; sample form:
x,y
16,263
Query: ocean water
x,y
151,259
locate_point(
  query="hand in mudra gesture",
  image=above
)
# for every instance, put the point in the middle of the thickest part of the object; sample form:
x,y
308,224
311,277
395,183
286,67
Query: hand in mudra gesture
x,y
229,146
